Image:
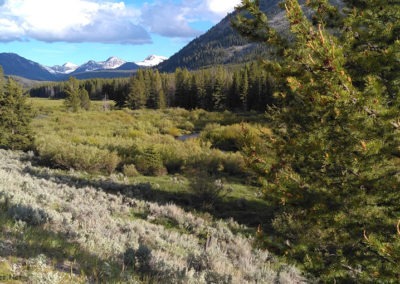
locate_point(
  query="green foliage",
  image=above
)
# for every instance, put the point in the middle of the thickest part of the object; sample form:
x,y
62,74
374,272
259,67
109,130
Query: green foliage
x,y
16,115
208,191
84,99
149,162
77,156
136,98
130,171
72,100
246,87
118,139
334,138
231,138
76,97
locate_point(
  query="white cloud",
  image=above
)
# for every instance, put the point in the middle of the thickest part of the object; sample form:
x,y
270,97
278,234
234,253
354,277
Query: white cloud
x,y
70,21
222,7
9,30
168,19
172,19
106,21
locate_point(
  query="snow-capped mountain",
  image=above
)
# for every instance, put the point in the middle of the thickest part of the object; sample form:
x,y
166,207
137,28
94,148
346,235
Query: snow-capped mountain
x,y
113,67
113,63
152,60
67,68
110,63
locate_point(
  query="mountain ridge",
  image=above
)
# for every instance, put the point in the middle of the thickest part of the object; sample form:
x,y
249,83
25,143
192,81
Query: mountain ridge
x,y
222,44
114,67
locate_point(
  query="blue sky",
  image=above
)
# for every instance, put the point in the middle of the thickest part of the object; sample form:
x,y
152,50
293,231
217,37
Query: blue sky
x,y
53,32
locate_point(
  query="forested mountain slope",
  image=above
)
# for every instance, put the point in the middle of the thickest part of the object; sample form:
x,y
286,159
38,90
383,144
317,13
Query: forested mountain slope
x,y
222,44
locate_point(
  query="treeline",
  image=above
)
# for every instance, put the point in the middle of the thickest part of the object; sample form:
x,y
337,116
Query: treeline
x,y
245,88
113,89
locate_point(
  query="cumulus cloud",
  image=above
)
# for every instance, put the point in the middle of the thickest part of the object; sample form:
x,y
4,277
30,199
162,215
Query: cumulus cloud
x,y
222,7
173,19
106,21
168,19
70,21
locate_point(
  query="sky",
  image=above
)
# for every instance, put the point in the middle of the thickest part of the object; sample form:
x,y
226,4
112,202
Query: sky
x,y
53,32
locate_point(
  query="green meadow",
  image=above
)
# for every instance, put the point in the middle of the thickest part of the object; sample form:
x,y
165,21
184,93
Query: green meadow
x,y
120,196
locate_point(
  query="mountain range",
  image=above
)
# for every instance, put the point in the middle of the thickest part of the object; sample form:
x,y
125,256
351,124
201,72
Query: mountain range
x,y
220,45
15,65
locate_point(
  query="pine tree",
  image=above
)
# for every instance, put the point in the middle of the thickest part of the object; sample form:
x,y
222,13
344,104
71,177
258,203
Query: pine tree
x,y
156,99
219,91
136,98
244,90
372,34
15,117
336,176
84,99
72,100
234,97
183,87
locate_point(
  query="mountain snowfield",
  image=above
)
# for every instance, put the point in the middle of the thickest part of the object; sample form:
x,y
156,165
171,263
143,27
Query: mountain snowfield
x,y
66,68
111,63
151,61
114,67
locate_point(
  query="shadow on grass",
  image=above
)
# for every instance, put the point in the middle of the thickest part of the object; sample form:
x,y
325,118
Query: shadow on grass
x,y
246,212
65,256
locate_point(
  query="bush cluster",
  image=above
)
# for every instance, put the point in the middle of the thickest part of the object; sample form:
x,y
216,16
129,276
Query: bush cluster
x,y
111,141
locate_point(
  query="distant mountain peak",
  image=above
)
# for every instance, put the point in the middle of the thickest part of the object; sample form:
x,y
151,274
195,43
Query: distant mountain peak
x,y
152,60
70,64
111,63
66,68
113,58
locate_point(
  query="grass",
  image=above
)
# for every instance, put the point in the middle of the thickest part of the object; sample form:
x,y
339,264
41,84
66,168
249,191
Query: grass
x,y
79,211
89,231
98,142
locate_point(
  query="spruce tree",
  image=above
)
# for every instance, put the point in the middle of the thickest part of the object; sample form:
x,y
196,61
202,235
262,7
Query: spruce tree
x,y
182,81
156,99
15,117
336,178
136,98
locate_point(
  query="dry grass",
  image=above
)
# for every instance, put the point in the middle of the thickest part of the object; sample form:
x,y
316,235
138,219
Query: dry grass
x,y
130,238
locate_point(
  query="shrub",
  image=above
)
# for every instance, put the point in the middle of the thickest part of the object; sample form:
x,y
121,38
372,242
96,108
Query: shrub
x,y
130,170
142,258
129,257
173,157
233,137
208,191
32,216
80,157
149,163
